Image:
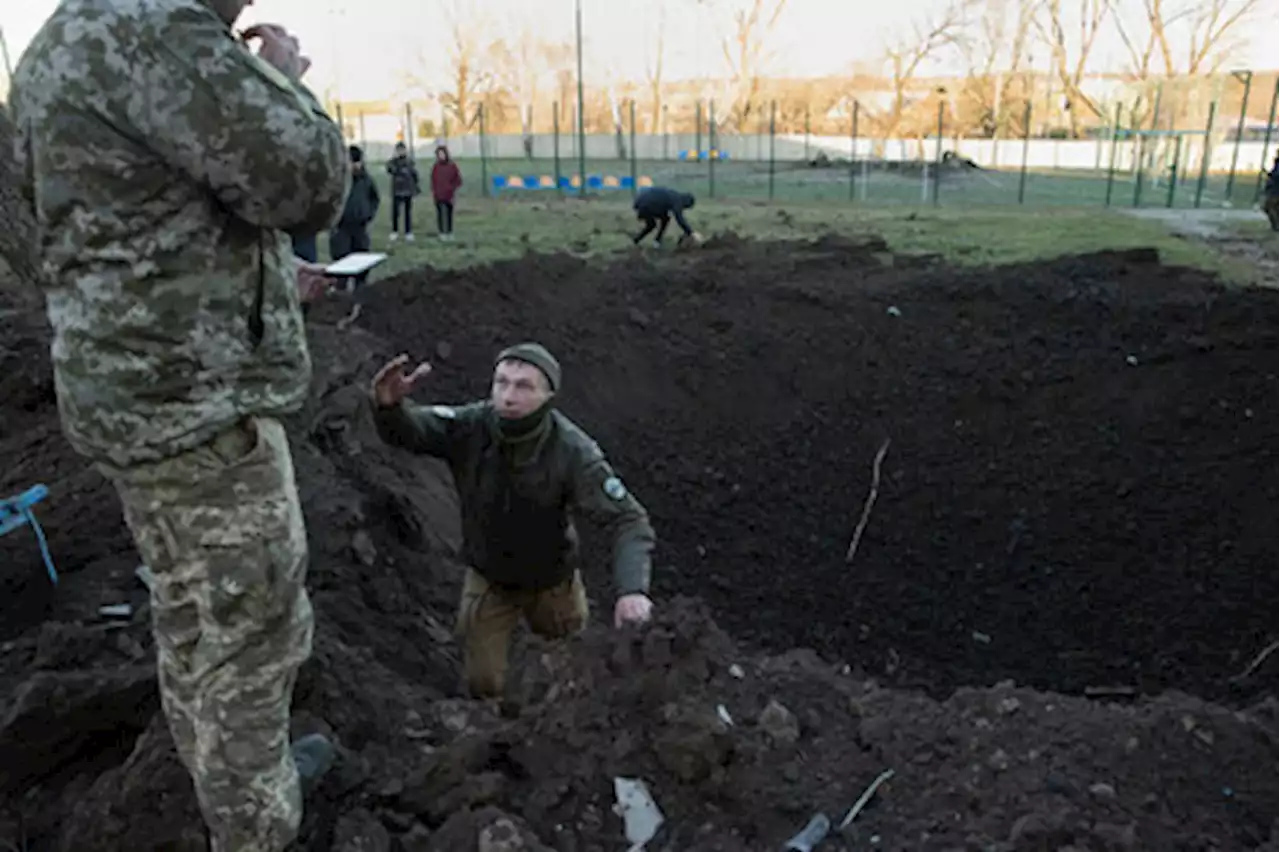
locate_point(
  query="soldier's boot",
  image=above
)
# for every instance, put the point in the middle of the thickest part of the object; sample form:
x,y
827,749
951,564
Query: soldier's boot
x,y
314,756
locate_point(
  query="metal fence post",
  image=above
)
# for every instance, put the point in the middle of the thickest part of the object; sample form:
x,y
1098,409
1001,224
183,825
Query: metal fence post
x,y
666,154
342,124
853,150
1173,171
555,142
1026,151
937,155
363,143
697,131
1111,165
634,189
806,133
582,120
1206,151
1266,143
1235,152
773,136
484,156
712,153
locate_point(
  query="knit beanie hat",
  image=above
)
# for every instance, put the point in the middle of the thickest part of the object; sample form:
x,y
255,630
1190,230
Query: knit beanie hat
x,y
537,355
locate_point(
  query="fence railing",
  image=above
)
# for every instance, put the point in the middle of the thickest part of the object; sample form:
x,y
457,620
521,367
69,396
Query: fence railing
x,y
1120,167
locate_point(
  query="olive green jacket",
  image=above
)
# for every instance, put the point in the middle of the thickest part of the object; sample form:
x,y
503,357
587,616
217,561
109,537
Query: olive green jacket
x,y
518,518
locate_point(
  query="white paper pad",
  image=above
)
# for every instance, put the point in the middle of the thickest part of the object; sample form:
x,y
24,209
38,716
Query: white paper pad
x,y
355,264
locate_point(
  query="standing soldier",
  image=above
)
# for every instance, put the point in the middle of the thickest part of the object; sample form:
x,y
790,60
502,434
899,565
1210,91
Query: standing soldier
x,y
165,162
523,470
1271,194
404,186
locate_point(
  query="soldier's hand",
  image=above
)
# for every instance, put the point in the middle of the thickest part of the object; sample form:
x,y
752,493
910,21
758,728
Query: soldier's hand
x,y
279,48
392,384
632,609
313,282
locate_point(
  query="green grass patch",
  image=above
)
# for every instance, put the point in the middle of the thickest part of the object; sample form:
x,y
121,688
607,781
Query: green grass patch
x,y
494,229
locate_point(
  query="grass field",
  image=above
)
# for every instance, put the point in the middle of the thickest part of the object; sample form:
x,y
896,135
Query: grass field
x,y
796,181
512,224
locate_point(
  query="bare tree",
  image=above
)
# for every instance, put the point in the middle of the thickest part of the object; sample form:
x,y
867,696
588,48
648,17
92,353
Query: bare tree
x,y
904,56
993,56
1071,55
522,64
470,58
1189,37
653,69
746,53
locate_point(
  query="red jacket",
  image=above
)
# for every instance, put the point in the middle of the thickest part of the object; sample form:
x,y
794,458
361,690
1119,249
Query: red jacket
x,y
445,177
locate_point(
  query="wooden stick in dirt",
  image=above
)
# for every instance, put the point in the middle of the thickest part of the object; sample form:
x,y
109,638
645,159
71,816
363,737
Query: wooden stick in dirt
x,y
1257,661
871,499
864,798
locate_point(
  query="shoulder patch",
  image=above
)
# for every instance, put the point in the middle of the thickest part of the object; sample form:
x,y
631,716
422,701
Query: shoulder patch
x,y
446,412
614,488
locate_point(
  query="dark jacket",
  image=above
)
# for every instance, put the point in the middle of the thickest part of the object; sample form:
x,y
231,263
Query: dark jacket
x,y
445,178
404,177
362,203
518,520
658,202
1273,179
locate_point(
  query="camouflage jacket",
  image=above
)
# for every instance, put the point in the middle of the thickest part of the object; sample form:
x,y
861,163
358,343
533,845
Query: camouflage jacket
x,y
164,162
518,518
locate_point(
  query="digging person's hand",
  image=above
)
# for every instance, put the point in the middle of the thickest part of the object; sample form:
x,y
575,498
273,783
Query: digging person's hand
x,y
278,48
632,609
392,384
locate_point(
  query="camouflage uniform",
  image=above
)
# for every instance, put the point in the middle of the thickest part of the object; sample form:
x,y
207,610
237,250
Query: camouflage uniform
x,y
163,162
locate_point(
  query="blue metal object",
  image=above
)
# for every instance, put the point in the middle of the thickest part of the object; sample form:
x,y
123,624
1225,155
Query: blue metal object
x,y
567,182
16,511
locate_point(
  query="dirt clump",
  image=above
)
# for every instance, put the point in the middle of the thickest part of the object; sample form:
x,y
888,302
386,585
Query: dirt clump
x,y
1079,493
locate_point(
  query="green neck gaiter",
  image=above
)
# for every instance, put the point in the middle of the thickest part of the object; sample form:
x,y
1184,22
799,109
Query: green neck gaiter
x,y
521,438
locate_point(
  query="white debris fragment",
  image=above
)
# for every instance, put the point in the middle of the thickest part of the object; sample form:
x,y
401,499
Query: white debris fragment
x,y
640,814
723,713
1132,360
116,610
893,311
735,671
143,573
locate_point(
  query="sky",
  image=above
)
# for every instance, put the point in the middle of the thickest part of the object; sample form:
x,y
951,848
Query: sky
x,y
366,55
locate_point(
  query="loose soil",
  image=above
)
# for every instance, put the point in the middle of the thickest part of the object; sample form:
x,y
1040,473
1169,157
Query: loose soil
x,y
1079,494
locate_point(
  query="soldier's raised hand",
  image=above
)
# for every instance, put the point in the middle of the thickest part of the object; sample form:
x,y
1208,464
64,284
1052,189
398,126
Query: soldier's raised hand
x,y
392,384
279,48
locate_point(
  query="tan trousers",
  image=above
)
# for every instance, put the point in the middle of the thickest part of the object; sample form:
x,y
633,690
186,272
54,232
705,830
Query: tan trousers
x,y
488,614
221,529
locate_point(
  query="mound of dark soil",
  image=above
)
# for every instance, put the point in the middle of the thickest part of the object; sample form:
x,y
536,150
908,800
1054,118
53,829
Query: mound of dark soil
x,y
1079,492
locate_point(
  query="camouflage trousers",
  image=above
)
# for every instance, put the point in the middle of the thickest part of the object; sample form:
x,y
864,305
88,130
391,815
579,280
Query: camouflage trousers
x,y
1271,206
488,615
222,531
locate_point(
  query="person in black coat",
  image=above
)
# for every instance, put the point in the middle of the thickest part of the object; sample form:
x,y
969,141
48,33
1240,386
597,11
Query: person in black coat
x,y
656,206
352,232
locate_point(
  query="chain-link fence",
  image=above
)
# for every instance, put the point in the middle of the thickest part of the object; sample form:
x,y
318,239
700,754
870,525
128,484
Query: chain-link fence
x,y
1135,160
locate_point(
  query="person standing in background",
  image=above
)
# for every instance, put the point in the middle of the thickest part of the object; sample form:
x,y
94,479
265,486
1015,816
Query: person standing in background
x,y
405,184
352,232
445,180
